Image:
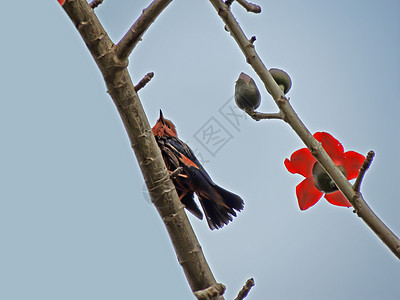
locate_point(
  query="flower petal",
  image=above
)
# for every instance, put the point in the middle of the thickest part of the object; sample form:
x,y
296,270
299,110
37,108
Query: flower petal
x,y
332,146
301,162
352,163
337,198
61,2
307,193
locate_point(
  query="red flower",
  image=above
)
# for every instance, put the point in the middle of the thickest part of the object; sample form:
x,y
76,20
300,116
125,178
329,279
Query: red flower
x,y
61,2
317,181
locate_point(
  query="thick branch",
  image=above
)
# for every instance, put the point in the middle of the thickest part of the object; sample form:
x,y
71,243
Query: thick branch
x,y
161,188
361,207
135,33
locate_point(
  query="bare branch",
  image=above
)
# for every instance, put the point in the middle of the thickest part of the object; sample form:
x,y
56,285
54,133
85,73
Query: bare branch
x,y
211,292
95,3
261,116
176,172
290,116
250,7
161,188
365,166
135,33
145,80
246,289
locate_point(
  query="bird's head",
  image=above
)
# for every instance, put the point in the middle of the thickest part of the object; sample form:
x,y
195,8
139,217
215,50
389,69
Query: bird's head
x,y
164,127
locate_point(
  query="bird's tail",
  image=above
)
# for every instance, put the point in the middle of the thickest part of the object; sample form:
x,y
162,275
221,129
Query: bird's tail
x,y
220,207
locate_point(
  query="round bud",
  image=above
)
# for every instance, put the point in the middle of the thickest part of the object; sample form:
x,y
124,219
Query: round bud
x,y
247,95
282,79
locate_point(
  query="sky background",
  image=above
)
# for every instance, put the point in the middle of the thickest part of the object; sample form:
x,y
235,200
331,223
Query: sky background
x,y
75,220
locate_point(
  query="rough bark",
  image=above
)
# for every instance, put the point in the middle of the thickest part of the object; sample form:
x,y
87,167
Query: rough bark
x,y
161,188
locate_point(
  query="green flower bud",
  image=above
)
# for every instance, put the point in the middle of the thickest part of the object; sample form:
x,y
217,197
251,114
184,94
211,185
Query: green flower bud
x,y
322,181
282,79
247,95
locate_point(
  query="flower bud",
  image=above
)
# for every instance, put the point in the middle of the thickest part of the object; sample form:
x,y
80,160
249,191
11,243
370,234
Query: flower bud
x,y
322,181
282,79
247,95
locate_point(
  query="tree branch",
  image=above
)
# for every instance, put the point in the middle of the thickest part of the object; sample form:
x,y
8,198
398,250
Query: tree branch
x,y
135,33
246,289
212,292
95,3
145,80
176,172
290,116
365,166
161,188
250,7
263,116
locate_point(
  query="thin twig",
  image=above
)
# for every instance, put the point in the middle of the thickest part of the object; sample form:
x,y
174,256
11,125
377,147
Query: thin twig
x,y
260,116
135,33
145,80
176,172
211,292
95,3
229,2
290,116
245,289
250,7
252,39
365,166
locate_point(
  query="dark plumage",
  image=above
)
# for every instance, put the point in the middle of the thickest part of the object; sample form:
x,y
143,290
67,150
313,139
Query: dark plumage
x,y
219,205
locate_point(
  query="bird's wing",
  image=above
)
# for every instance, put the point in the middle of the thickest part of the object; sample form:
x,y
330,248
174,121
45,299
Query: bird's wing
x,y
202,182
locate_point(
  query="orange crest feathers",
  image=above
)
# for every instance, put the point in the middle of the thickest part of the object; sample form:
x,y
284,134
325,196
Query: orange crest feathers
x,y
164,127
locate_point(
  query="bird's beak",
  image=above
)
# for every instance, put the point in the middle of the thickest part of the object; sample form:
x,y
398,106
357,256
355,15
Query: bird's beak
x,y
161,117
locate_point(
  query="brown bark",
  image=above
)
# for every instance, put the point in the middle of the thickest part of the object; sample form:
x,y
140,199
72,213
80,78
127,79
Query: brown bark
x,y
113,65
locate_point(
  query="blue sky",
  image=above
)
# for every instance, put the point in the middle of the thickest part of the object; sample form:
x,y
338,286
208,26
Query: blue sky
x,y
75,222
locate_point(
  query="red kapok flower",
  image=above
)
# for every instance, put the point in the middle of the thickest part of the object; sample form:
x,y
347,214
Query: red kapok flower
x,y
61,2
317,181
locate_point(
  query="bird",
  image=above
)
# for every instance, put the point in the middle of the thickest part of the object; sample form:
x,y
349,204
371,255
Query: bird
x,y
218,204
